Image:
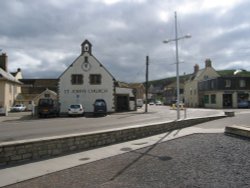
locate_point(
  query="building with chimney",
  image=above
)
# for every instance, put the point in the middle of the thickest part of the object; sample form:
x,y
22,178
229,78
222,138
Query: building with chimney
x,y
191,93
10,87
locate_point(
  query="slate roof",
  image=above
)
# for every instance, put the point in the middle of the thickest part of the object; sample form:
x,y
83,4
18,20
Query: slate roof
x,y
7,76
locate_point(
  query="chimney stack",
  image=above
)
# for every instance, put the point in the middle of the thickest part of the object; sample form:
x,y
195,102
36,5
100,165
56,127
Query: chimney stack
x,y
208,63
196,68
4,62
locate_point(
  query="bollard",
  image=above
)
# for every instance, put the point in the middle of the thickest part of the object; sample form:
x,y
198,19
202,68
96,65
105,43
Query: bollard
x,y
185,113
173,107
6,112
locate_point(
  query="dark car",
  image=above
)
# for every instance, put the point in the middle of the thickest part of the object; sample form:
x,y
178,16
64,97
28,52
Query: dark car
x,y
48,107
100,107
243,104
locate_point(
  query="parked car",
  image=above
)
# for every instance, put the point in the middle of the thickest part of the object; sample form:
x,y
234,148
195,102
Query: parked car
x,y
100,107
139,103
158,103
151,103
243,104
48,107
76,110
18,108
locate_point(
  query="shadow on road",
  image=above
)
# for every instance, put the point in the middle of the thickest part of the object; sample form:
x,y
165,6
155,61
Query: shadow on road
x,y
146,153
18,116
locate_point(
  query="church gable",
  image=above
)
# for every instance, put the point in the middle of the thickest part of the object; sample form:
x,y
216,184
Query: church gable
x,y
86,80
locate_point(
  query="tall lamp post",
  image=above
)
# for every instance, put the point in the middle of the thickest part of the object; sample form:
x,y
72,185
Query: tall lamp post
x,y
176,39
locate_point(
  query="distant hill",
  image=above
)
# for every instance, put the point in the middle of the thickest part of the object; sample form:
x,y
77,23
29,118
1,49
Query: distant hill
x,y
165,81
231,73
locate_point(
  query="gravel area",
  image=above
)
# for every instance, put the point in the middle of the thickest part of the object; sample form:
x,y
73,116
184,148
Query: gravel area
x,y
200,160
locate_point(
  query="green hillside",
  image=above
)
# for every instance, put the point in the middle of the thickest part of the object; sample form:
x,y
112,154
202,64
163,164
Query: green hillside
x,y
231,73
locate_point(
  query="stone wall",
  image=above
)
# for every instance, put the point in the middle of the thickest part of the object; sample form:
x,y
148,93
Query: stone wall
x,y
38,149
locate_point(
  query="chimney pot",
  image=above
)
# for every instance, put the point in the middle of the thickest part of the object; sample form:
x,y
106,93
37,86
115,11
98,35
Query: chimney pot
x,y
4,62
196,68
208,63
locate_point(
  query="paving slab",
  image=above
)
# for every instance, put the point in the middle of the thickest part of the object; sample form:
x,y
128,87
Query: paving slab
x,y
20,173
196,160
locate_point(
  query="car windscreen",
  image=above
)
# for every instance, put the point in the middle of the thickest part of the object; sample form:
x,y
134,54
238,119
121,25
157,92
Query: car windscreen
x,y
75,106
45,102
100,103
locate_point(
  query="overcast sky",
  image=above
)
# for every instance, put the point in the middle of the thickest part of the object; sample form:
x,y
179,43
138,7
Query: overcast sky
x,y
44,37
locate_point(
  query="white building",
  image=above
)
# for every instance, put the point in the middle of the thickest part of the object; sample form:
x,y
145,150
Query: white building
x,y
86,80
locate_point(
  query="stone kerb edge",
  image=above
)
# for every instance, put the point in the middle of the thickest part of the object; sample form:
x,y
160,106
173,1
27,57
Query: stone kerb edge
x,y
238,130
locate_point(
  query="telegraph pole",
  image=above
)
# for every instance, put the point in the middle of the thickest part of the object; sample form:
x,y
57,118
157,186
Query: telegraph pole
x,y
146,101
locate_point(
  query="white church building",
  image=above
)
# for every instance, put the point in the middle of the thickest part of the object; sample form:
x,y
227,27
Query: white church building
x,y
86,80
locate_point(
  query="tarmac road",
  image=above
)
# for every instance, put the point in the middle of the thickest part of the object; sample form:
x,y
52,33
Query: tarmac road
x,y
20,126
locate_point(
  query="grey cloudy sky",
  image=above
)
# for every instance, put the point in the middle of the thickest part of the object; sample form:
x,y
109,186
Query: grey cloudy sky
x,y
43,37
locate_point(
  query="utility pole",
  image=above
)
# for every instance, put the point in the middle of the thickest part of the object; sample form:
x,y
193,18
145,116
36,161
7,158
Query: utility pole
x,y
146,101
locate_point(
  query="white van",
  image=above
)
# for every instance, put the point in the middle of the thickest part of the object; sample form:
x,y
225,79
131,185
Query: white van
x,y
139,102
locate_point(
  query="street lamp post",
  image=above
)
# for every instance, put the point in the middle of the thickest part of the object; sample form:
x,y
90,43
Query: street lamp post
x,y
177,63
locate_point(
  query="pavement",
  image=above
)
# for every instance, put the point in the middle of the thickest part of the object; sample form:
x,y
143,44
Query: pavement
x,y
26,175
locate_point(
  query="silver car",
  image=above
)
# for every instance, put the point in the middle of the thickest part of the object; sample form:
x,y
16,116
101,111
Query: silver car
x,y
18,108
76,110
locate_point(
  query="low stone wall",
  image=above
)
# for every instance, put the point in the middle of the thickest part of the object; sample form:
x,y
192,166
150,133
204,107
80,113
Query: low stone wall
x,y
38,149
238,130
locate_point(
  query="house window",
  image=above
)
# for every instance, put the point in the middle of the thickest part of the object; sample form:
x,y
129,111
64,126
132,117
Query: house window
x,y
46,95
10,88
213,99
212,85
181,91
206,99
205,77
76,79
242,83
95,79
15,89
228,83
